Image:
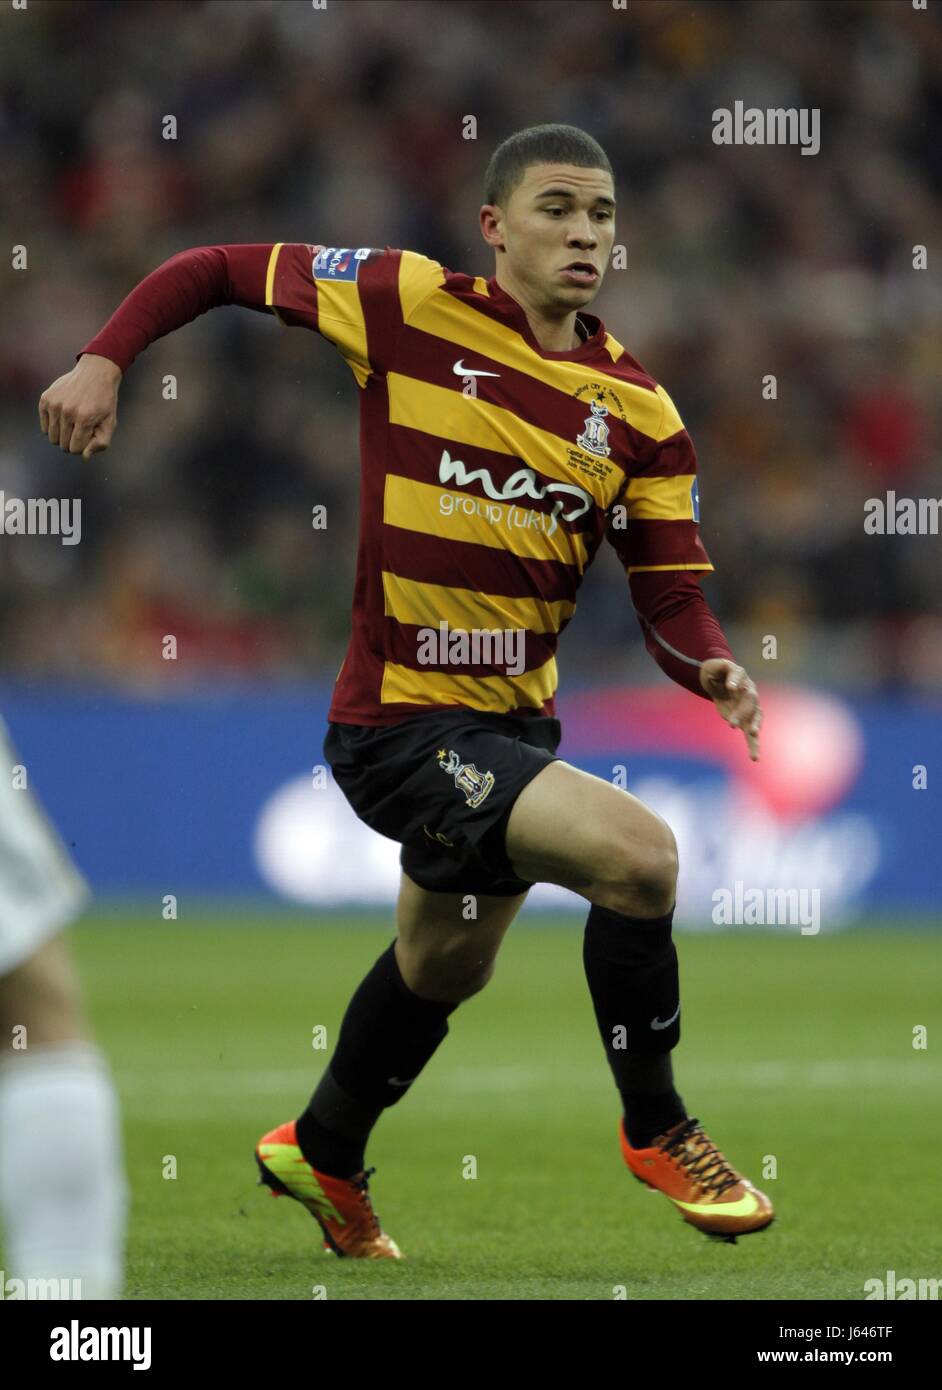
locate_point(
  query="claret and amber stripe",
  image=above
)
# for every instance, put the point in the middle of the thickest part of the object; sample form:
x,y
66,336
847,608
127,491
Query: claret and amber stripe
x,y
433,559
493,694
417,647
412,602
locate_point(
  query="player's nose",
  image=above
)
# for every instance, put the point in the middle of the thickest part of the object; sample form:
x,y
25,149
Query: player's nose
x,y
582,236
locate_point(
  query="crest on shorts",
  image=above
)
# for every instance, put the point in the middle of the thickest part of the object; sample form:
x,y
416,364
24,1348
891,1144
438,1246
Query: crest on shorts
x,y
474,784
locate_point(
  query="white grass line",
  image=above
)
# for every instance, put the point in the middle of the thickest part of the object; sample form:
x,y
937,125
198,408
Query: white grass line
x,y
220,1082
820,1075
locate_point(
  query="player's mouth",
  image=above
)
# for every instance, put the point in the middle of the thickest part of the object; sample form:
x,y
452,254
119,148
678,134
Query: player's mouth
x,y
580,273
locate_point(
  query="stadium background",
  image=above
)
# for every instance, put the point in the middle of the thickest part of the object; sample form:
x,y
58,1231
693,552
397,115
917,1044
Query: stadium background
x,y
193,777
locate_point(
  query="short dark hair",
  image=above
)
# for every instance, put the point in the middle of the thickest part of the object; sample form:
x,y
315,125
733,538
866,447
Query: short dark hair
x,y
539,144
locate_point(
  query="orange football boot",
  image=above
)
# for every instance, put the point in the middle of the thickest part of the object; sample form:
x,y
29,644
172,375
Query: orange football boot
x,y
689,1169
340,1206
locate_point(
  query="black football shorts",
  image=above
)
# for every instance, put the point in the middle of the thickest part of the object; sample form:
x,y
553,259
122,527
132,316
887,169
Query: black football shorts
x,y
444,785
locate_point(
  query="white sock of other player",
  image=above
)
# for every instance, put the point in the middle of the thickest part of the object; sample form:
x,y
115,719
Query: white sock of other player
x,y
63,1192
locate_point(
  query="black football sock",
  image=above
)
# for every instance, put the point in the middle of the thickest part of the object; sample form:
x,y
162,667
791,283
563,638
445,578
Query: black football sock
x,y
387,1035
651,1103
339,1147
631,968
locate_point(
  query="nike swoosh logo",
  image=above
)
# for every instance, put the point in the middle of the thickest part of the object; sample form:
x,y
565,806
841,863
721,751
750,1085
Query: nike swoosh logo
x,y
746,1206
656,1022
460,369
396,1081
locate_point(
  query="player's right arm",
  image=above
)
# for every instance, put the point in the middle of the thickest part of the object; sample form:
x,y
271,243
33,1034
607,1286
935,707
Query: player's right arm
x,y
351,297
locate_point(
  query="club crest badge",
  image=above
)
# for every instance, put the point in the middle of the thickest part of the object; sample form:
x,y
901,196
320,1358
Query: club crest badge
x,y
594,438
475,785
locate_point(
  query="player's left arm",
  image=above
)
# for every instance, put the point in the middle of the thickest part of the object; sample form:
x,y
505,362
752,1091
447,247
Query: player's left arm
x,y
684,637
658,543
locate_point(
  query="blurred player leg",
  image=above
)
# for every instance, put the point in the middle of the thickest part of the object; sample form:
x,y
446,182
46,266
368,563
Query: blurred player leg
x,y
62,1186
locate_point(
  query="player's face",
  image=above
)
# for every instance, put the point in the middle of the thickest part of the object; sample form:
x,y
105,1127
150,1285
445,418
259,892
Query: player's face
x,y
557,231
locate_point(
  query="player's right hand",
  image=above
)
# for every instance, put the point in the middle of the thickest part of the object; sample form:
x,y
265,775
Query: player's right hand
x,y
79,411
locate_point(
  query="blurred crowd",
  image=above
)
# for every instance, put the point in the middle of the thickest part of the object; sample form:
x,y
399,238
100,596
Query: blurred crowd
x,y
343,125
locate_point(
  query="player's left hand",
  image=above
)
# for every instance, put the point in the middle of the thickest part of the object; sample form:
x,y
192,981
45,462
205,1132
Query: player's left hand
x,y
736,698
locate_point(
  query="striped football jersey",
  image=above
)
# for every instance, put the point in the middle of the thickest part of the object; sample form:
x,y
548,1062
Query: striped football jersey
x,y
491,470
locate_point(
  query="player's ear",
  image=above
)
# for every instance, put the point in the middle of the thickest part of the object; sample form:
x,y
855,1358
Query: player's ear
x,y
492,225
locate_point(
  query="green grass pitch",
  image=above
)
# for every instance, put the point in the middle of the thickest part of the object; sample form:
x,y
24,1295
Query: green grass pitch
x,y
795,1047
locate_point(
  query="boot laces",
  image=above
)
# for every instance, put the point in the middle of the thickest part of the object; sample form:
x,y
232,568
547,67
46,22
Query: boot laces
x,y
700,1158
361,1181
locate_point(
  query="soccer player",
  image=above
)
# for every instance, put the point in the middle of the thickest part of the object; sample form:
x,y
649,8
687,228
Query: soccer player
x,y
504,433
63,1193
